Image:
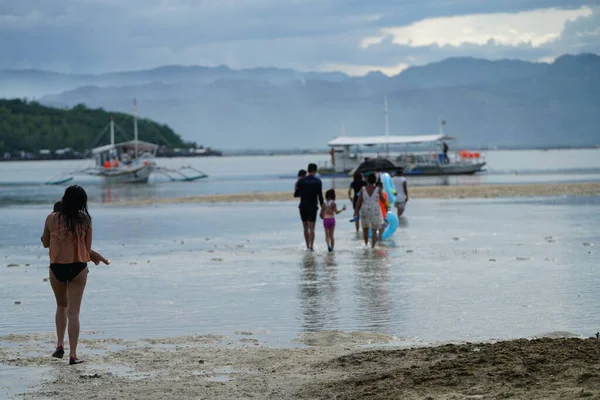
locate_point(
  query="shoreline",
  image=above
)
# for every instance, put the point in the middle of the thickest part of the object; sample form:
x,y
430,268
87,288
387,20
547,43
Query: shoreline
x,y
332,364
415,192
312,152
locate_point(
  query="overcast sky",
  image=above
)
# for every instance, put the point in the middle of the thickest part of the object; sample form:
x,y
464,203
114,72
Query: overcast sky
x,y
354,36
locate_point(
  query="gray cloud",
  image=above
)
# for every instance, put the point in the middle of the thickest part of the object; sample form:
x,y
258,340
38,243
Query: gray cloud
x,y
107,35
580,36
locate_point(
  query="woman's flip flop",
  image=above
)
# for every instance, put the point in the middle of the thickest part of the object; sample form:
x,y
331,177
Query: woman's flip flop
x,y
59,352
73,361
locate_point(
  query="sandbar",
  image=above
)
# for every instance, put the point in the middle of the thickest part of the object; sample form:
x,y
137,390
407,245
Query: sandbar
x,y
417,192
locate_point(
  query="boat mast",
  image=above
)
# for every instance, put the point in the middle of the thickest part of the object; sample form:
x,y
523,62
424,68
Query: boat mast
x,y
387,124
112,131
135,129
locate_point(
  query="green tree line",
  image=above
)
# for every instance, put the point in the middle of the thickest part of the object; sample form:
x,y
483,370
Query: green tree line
x,y
30,126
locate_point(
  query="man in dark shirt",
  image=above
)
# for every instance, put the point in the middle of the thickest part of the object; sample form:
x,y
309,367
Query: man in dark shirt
x,y
310,191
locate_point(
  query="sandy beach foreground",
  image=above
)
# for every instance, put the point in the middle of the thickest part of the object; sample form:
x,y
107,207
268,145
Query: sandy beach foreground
x,y
434,192
331,365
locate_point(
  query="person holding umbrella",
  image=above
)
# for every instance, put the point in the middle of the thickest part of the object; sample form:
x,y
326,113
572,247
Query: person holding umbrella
x,y
369,210
378,165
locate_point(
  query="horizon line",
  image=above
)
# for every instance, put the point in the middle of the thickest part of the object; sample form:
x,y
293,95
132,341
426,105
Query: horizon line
x,y
302,71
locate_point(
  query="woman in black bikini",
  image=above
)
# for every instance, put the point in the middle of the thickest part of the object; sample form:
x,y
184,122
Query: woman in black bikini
x,y
68,235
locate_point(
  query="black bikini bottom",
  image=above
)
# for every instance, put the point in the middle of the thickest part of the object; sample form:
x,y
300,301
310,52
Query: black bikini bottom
x,y
67,272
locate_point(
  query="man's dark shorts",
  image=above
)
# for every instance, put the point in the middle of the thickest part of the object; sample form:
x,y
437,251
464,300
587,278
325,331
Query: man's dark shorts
x,y
308,214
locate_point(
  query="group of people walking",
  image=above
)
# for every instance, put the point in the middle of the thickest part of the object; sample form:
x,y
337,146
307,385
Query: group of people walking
x,y
369,202
68,236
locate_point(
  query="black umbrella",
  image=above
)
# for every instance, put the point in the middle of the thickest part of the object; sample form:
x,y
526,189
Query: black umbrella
x,y
378,164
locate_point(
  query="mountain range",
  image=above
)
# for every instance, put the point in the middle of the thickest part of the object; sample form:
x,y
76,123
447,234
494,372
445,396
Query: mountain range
x,y
484,103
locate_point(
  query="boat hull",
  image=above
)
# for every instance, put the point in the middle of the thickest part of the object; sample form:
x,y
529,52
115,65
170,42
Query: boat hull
x,y
442,170
421,170
139,174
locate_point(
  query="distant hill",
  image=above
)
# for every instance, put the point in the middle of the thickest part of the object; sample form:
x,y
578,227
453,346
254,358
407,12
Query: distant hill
x,y
465,71
485,103
30,127
35,83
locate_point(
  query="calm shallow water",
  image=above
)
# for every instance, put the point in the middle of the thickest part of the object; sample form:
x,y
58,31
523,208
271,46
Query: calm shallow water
x,y
23,182
456,270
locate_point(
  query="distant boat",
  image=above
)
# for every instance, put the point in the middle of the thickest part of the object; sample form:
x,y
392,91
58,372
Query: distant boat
x,y
346,154
128,162
344,161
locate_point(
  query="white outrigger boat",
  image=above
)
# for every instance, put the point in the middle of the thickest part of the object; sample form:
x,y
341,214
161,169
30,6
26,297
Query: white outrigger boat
x,y
128,162
346,154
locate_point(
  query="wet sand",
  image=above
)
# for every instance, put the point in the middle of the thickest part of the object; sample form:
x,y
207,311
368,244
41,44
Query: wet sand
x,y
418,192
329,365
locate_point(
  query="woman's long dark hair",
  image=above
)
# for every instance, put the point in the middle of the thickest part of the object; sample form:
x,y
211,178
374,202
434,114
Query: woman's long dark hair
x,y
74,212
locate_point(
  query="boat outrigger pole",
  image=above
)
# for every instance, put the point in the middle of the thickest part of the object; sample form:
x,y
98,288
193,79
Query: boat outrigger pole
x,y
112,131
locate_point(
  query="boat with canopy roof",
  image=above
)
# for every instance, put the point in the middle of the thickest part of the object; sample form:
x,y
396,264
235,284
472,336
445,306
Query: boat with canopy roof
x,y
347,153
128,162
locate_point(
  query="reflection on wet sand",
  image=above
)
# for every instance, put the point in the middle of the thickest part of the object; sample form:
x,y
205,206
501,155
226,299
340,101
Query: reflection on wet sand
x,y
125,193
331,271
319,295
318,292
403,222
372,289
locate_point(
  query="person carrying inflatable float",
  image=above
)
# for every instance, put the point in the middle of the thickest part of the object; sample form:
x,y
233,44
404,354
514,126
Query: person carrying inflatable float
x,y
384,205
391,219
